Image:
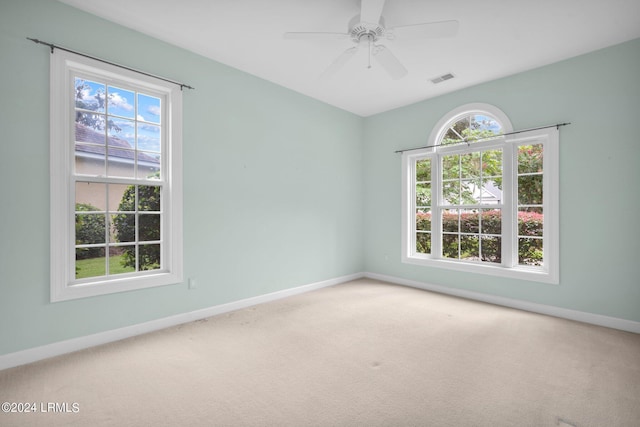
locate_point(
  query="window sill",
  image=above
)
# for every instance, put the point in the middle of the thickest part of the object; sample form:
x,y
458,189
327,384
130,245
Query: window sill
x,y
520,272
63,292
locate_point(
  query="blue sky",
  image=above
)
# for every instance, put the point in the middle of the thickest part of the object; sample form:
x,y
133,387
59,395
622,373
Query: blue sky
x,y
143,116
487,123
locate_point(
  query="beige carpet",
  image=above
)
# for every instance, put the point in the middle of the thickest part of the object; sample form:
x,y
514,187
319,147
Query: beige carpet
x,y
363,353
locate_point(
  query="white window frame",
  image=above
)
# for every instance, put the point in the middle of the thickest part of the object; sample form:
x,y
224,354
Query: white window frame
x,y
549,137
64,286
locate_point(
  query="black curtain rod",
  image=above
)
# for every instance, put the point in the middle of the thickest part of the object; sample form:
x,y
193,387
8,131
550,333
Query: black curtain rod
x,y
463,141
53,46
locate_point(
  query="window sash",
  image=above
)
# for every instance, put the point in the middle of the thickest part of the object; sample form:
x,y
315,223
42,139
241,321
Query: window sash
x,y
108,243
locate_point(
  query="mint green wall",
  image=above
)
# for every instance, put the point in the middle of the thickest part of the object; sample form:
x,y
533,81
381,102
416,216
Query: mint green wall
x,y
275,182
272,181
599,94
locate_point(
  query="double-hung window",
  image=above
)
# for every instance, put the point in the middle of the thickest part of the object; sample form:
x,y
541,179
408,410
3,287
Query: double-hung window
x,y
116,197
483,199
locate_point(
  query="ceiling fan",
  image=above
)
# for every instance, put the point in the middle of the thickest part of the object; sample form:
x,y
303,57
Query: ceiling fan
x,y
368,28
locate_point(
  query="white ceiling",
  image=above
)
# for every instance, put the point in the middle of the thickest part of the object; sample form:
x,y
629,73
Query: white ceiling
x,y
496,38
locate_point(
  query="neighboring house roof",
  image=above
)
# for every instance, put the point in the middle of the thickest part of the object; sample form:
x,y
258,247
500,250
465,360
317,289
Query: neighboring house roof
x,y
119,149
491,191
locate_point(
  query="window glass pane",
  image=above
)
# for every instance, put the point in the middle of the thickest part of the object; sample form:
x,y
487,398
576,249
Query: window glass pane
x,y
453,135
470,248
451,192
530,190
491,191
451,167
122,133
149,257
450,245
121,102
530,158
473,127
461,127
470,192
423,195
90,128
90,196
470,222
127,201
491,221
149,227
149,198
119,194
90,228
120,163
492,163
423,243
530,222
423,220
89,95
450,220
530,251
123,228
89,264
490,248
89,160
149,108
118,261
470,163
485,125
423,170
148,165
148,137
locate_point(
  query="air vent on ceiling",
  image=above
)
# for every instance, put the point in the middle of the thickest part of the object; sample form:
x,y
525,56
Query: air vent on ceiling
x,y
442,78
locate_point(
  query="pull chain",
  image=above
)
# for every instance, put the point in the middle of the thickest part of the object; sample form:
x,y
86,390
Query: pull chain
x,y
369,37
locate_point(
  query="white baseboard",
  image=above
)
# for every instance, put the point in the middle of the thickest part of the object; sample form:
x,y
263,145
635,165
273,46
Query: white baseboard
x,y
565,313
62,347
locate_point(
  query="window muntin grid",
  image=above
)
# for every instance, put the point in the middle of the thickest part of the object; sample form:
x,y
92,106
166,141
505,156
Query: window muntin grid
x,y
118,179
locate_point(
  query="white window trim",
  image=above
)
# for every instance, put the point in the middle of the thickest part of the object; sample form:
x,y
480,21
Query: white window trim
x,y
550,138
62,258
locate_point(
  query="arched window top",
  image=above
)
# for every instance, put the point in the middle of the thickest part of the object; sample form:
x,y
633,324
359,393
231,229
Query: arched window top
x,y
469,123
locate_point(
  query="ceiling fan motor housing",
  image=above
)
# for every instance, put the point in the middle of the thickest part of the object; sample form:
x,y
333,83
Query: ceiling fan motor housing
x,y
358,30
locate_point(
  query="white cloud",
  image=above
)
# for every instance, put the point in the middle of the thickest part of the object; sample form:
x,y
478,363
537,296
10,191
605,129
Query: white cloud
x,y
150,128
116,100
154,109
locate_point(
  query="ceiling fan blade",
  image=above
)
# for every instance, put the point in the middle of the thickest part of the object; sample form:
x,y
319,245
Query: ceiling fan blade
x,y
427,30
370,11
389,62
338,63
315,36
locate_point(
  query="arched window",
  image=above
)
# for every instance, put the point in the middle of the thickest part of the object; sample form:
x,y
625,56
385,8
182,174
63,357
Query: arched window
x,y
481,199
470,123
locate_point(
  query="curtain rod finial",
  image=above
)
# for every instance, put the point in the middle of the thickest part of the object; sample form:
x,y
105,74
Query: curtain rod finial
x,y
51,46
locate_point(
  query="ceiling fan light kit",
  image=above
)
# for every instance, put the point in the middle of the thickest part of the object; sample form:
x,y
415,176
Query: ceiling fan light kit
x,y
367,28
